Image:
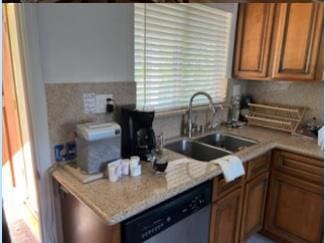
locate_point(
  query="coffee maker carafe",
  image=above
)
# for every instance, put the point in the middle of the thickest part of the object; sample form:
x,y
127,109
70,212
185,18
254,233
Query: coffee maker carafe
x,y
143,134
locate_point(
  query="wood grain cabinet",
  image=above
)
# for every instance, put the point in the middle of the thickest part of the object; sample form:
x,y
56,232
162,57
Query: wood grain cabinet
x,y
81,225
297,41
225,218
238,206
280,41
253,40
295,203
298,166
254,206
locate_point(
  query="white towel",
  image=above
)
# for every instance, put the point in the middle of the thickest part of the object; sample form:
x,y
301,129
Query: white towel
x,y
231,166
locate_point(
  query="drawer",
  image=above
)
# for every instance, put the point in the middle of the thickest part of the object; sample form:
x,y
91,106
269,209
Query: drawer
x,y
300,166
222,188
258,165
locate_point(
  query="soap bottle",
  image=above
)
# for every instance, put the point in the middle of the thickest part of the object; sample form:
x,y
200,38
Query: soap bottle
x,y
235,104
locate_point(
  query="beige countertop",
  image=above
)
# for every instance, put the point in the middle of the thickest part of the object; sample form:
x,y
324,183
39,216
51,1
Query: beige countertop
x,y
115,202
269,139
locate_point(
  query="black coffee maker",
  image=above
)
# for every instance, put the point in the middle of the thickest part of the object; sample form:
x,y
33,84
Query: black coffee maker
x,y
138,137
143,134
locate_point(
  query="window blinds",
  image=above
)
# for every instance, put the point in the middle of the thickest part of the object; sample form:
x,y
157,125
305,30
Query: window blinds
x,y
180,49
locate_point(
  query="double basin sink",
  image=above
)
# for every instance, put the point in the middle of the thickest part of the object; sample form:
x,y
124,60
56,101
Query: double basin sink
x,y
210,147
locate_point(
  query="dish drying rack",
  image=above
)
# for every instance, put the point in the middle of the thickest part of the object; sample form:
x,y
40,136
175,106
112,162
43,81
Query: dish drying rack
x,y
286,119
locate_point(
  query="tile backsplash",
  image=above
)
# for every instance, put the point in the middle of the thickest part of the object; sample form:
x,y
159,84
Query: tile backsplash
x,y
66,109
65,105
309,95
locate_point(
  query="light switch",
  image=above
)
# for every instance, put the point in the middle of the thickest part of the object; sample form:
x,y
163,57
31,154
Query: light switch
x,y
101,101
89,103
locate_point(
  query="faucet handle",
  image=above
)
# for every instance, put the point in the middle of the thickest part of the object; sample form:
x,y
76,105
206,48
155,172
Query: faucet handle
x,y
220,106
195,125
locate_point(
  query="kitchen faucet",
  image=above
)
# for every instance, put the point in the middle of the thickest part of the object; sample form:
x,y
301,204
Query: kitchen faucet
x,y
213,110
209,124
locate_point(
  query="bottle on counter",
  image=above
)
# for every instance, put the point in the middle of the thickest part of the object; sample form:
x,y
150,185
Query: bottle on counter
x,y
235,104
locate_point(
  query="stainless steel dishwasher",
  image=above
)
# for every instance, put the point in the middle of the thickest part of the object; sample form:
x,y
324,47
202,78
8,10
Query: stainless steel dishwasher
x,y
182,219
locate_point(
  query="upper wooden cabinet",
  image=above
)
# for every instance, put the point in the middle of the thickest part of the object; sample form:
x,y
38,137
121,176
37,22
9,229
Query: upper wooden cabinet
x,y
297,41
279,42
254,32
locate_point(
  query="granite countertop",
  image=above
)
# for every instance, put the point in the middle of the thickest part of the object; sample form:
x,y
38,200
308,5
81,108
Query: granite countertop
x,y
115,202
269,139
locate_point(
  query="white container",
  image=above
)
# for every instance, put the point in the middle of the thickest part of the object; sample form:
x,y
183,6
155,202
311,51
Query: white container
x,y
135,170
97,145
135,160
125,166
114,171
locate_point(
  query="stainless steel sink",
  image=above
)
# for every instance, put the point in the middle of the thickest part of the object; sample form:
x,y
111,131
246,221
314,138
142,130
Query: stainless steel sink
x,y
196,150
228,142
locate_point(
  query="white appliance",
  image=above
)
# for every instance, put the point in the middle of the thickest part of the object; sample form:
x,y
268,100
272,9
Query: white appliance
x,y
97,145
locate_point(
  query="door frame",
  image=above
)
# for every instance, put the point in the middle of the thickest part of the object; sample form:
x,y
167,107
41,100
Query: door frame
x,y
26,28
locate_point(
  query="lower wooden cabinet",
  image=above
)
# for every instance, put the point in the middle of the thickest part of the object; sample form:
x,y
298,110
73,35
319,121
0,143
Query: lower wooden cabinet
x,y
286,203
225,218
238,208
254,205
294,210
81,225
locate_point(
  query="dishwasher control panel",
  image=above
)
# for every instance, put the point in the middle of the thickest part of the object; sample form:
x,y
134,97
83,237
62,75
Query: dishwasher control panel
x,y
151,222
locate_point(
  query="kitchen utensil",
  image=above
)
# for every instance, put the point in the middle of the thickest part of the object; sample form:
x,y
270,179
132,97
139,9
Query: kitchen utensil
x,y
277,117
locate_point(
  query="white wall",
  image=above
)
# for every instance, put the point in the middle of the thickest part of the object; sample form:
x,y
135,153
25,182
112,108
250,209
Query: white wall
x,y
69,43
38,117
86,42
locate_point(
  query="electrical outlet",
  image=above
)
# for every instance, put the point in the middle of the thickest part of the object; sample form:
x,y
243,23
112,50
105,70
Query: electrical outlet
x,y
101,101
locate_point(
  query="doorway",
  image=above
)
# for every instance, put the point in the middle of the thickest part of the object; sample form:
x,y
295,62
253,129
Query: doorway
x,y
19,190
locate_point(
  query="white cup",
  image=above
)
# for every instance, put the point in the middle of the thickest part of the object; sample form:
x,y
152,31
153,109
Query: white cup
x,y
125,166
112,173
114,170
135,160
118,170
135,170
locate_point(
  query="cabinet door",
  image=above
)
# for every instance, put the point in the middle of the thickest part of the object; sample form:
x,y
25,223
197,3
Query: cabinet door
x,y
294,209
225,218
254,205
320,65
253,40
81,225
297,41
221,188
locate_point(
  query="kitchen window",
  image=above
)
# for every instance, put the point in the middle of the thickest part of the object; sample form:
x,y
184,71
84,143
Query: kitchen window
x,y
180,49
